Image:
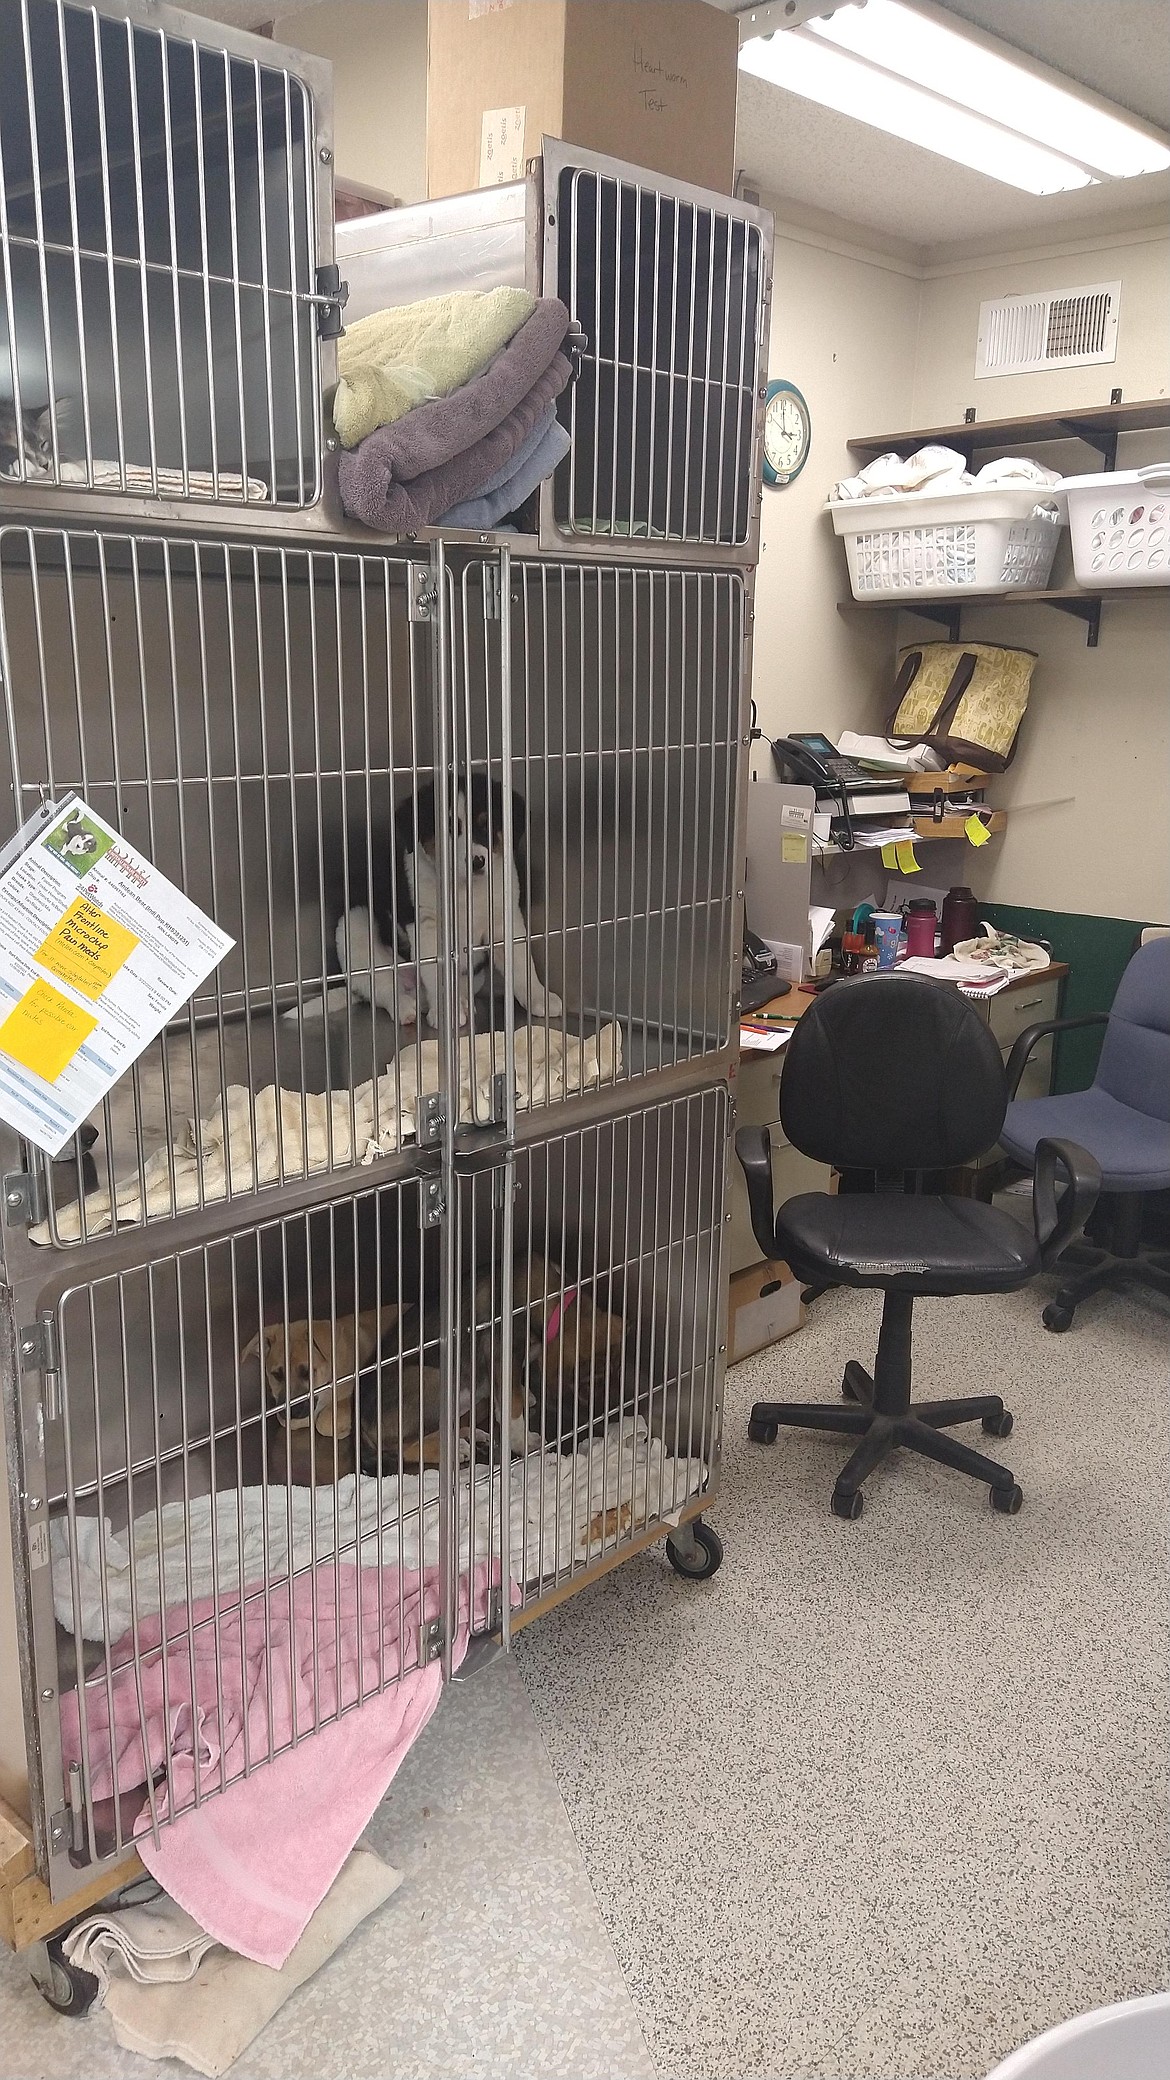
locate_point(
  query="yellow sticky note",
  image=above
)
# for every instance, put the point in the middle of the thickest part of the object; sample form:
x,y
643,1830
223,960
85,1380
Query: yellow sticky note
x,y
86,948
976,830
907,861
793,848
889,855
45,1030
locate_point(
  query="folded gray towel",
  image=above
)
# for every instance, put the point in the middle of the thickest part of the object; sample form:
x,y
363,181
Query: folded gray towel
x,y
433,433
507,470
535,461
370,493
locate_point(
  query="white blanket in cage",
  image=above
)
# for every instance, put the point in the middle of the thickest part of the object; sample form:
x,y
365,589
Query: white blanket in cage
x,y
247,1143
565,1508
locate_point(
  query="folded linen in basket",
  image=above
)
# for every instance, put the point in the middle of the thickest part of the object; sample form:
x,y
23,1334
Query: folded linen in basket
x,y
216,1688
396,359
370,494
246,1143
432,433
207,2020
560,1503
536,460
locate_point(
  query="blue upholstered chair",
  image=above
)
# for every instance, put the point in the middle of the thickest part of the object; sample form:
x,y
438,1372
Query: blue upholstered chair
x,y
1123,1119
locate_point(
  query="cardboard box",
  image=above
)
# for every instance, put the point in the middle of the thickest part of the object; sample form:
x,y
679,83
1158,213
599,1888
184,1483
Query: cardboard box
x,y
764,1305
649,81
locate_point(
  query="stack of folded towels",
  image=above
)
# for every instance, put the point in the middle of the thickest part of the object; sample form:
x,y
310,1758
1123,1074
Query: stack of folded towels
x,y
446,409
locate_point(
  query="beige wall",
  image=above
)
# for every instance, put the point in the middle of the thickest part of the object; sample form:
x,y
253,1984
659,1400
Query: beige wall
x,y
1098,723
844,331
378,49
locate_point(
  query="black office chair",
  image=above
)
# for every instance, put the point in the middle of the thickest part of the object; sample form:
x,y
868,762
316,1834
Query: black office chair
x,y
897,1076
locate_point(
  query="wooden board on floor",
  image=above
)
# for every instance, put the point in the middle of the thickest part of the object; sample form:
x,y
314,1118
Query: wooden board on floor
x,y
27,1913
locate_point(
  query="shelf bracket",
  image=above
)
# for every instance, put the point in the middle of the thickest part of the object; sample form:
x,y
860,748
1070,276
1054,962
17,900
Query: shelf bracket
x,y
1086,610
1104,443
946,612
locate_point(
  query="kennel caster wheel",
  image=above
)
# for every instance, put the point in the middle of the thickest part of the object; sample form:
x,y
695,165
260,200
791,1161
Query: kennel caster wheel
x,y
702,1558
1001,1425
847,1504
1007,1500
65,1986
762,1433
1057,1318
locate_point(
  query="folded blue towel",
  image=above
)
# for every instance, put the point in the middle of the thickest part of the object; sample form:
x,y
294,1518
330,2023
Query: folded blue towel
x,y
534,460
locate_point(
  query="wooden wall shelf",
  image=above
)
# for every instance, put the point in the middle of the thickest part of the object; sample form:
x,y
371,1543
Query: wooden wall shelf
x,y
1086,606
1099,426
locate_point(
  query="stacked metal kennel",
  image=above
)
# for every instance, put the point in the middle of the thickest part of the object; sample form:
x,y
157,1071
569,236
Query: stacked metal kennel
x,y
342,1313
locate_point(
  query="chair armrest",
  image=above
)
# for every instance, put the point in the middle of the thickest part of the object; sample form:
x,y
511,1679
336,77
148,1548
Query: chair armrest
x,y
753,1146
1061,1221
1022,1047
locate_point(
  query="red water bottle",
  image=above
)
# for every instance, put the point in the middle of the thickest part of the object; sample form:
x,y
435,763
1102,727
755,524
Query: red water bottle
x,y
921,921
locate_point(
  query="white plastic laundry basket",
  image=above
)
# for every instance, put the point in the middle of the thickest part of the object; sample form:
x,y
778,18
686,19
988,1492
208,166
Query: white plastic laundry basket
x,y
999,540
1120,522
1130,2041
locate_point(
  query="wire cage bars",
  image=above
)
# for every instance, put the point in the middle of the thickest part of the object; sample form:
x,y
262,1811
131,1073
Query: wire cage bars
x,y
286,1463
159,300
671,289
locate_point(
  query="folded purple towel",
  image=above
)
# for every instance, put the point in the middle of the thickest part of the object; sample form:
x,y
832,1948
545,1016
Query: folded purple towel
x,y
432,433
369,492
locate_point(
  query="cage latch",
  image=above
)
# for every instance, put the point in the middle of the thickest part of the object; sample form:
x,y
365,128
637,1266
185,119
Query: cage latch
x,y
331,298
491,592
424,596
434,1202
24,1198
431,1639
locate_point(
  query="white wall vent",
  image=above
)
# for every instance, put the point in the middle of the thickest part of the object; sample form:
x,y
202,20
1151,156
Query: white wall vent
x,y
1058,328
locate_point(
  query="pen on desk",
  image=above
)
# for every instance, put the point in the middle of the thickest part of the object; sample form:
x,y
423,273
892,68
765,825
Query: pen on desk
x,y
769,1018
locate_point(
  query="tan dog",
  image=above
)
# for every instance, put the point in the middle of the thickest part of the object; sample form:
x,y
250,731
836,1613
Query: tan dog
x,y
313,1371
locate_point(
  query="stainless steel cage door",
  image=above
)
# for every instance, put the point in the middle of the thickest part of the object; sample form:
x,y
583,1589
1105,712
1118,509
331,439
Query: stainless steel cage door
x,y
164,192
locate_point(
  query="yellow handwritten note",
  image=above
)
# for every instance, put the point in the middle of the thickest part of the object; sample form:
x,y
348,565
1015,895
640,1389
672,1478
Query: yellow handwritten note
x,y
890,856
976,830
44,1031
86,948
907,858
793,848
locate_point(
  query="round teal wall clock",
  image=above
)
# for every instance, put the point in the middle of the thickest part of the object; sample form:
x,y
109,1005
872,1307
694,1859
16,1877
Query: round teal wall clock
x,y
787,433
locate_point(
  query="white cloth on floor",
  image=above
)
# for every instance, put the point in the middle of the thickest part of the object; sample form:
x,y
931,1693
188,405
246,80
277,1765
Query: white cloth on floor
x,y
563,1507
157,1944
248,1143
210,2016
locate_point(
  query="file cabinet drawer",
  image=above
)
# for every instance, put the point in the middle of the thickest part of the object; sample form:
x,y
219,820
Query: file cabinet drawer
x,y
1014,1010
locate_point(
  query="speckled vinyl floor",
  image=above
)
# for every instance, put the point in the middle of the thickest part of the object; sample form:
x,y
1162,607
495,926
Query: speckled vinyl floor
x,y
884,1799
877,1803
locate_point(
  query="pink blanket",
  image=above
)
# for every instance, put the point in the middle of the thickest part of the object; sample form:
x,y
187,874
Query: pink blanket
x,y
253,1863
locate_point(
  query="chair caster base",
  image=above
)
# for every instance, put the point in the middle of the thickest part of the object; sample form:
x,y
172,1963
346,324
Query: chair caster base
x,y
1007,1500
762,1433
1001,1425
847,1503
1057,1318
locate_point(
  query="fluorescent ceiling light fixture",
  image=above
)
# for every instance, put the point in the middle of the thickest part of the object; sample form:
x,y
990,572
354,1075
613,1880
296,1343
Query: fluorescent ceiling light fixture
x,y
907,73
921,48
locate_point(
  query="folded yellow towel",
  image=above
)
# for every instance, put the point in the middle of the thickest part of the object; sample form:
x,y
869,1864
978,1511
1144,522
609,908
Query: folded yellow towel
x,y
396,359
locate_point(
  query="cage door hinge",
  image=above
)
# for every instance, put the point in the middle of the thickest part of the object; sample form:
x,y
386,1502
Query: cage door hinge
x,y
39,1353
492,593
434,1202
424,593
432,1638
60,1829
24,1198
332,295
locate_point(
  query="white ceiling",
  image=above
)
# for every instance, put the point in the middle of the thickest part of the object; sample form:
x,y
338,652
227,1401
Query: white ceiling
x,y
795,151
1120,48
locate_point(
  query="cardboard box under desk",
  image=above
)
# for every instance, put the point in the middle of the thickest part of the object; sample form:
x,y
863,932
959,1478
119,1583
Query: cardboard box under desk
x,y
649,81
764,1304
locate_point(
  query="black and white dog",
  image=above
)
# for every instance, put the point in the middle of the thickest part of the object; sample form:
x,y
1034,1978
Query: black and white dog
x,y
388,939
